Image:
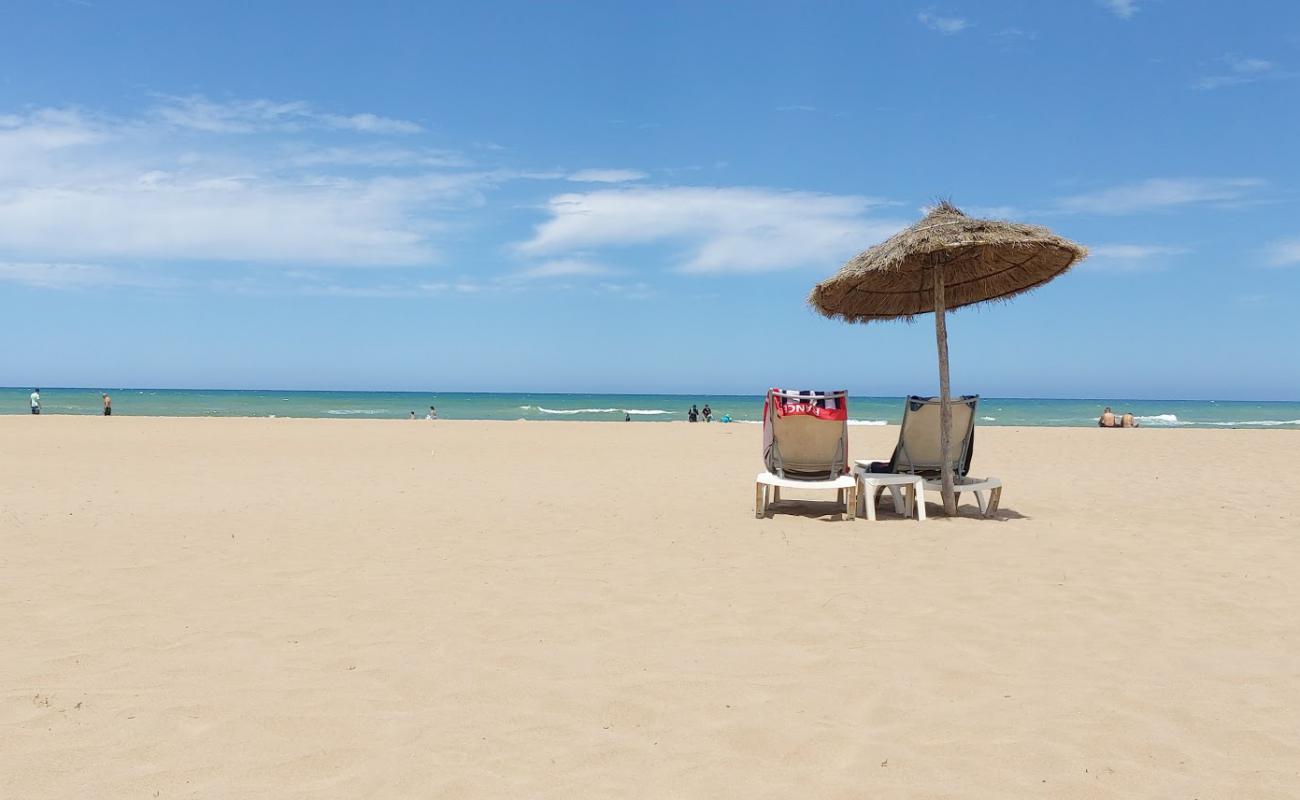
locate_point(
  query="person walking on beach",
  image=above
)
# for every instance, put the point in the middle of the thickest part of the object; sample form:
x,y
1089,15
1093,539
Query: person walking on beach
x,y
36,401
108,404
433,413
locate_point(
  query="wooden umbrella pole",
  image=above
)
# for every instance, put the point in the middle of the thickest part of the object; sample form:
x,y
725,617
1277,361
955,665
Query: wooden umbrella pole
x,y
945,400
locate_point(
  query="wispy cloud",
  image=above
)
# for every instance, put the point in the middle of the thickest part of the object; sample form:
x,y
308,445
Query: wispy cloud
x,y
605,175
196,112
563,268
1131,257
373,156
72,276
1156,194
1124,9
394,290
77,188
945,25
1238,70
1010,36
713,229
1283,253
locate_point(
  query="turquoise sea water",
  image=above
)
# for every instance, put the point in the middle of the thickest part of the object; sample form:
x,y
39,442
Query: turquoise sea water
x,y
613,407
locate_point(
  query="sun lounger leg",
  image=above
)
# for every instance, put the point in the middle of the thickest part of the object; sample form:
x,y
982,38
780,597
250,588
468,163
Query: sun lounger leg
x,y
776,494
759,492
993,502
851,503
982,499
839,495
918,499
871,503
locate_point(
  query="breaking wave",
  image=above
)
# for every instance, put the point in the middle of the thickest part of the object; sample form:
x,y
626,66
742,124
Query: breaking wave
x,y
577,410
343,412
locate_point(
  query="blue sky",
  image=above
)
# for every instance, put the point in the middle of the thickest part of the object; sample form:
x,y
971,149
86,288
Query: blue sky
x,y
638,197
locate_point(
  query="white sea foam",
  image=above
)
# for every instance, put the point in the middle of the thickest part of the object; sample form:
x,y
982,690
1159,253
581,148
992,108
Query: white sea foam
x,y
576,410
1266,423
645,411
356,411
525,408
989,419
874,422
1161,419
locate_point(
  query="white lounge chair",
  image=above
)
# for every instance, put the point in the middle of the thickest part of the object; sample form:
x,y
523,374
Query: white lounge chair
x,y
918,451
805,446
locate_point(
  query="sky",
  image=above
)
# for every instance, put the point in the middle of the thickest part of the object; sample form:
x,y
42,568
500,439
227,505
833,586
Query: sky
x,y
634,197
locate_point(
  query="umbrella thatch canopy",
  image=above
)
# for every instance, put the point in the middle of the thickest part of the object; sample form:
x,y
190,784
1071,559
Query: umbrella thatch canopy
x,y
981,260
945,261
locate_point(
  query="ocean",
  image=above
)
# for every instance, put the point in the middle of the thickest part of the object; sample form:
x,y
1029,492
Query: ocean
x,y
613,407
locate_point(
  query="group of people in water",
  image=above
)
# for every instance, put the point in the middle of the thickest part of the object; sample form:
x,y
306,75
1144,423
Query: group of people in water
x,y
1109,419
695,414
433,413
104,398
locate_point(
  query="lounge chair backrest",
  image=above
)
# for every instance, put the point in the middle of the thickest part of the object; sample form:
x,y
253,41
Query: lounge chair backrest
x,y
806,434
918,450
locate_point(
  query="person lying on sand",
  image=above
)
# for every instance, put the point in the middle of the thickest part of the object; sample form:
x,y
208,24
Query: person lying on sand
x,y
1108,419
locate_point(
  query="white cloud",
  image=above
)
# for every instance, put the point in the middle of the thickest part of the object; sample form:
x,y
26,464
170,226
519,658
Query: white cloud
x,y
1283,253
563,268
1155,194
1124,9
1241,70
1131,257
945,25
76,188
715,229
605,175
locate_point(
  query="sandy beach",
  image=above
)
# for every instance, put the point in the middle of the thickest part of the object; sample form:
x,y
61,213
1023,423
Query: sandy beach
x,y
384,609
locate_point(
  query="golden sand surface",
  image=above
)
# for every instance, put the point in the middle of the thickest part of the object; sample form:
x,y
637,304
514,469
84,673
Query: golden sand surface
x,y
220,608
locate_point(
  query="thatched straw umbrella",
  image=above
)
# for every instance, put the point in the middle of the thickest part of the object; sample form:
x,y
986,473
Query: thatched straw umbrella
x,y
945,261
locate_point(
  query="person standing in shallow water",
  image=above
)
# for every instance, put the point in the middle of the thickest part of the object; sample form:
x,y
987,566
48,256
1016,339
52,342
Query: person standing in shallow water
x,y
433,413
108,404
36,401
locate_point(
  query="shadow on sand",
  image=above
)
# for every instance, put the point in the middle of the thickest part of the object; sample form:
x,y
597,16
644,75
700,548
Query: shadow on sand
x,y
831,511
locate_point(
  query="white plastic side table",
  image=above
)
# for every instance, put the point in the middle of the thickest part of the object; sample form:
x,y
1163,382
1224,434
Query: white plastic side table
x,y
907,492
